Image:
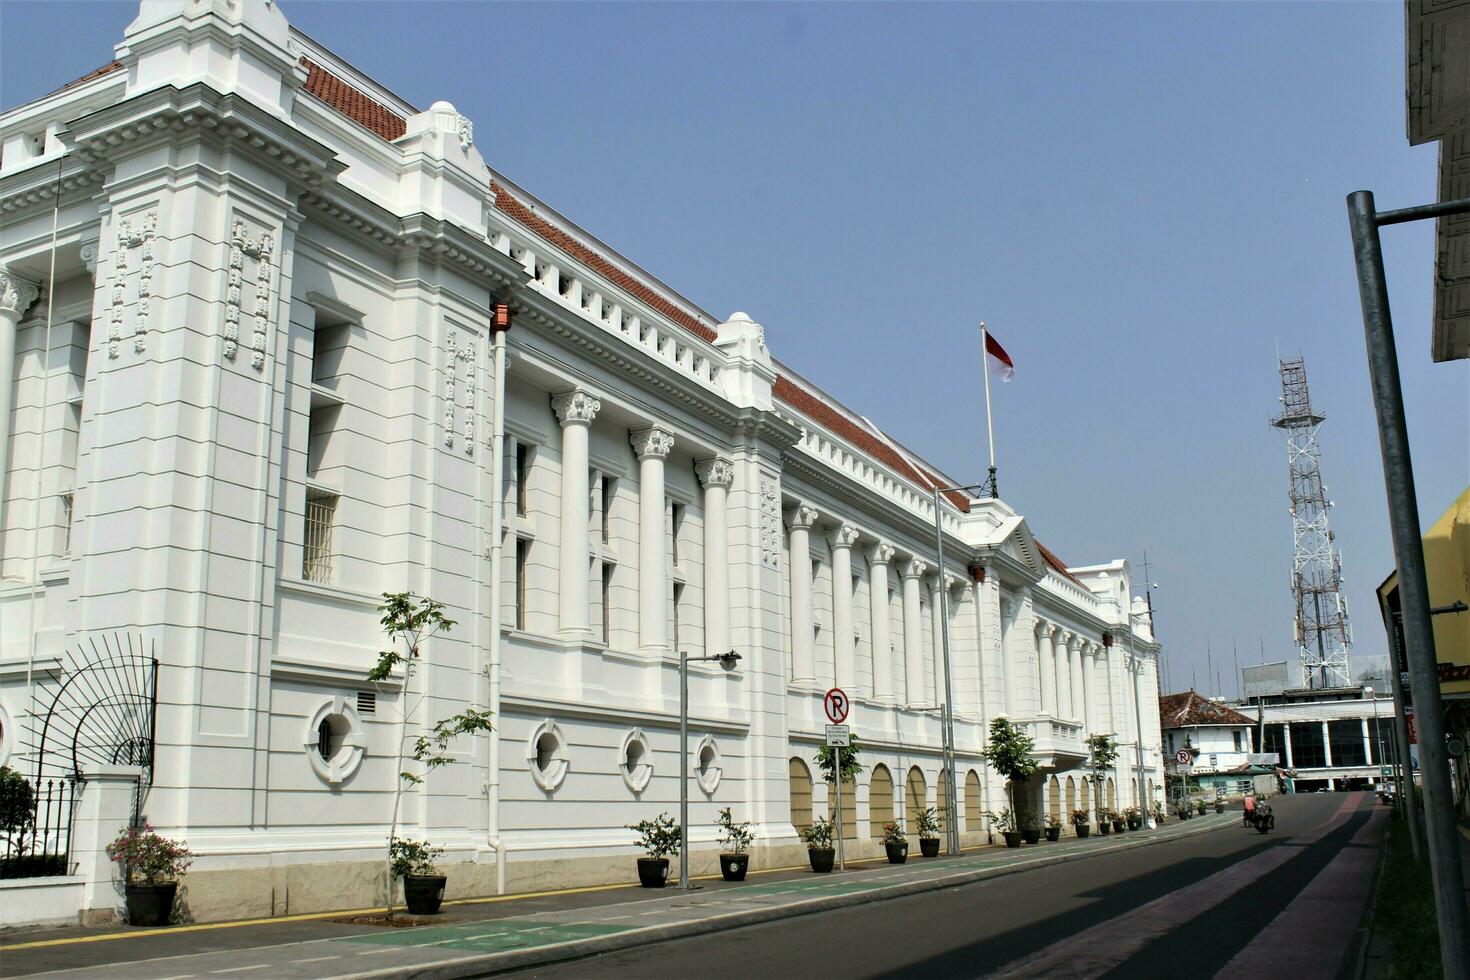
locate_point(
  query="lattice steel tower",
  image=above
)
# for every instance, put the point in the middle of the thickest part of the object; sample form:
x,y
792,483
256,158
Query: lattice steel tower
x,y
1323,634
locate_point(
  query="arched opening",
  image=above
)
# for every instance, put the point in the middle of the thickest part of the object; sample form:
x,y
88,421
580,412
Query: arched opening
x,y
1071,799
1112,795
880,800
801,794
1087,797
1054,798
915,799
941,800
974,807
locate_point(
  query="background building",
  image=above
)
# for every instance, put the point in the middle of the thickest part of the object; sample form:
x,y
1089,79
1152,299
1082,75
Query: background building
x,y
1220,742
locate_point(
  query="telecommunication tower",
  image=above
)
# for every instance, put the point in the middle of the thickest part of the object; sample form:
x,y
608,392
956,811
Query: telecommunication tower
x,y
1323,634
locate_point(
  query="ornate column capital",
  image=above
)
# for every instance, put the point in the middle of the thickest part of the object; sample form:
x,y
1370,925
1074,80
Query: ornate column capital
x,y
16,294
881,553
803,516
576,407
843,535
715,472
915,568
652,443
1046,629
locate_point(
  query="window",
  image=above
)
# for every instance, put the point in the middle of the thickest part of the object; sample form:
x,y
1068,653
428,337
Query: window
x,y
523,476
677,526
66,517
708,769
1237,741
609,493
1307,750
329,734
1347,742
546,756
637,764
678,600
333,740
523,552
316,554
607,574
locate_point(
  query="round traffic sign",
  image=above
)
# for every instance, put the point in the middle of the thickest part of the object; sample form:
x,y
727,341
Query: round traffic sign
x,y
1182,757
836,705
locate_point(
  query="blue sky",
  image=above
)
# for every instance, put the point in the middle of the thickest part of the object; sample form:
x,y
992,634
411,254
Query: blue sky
x,y
1142,201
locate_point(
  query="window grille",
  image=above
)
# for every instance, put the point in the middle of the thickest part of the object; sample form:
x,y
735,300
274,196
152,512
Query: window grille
x,y
324,739
321,514
66,515
367,702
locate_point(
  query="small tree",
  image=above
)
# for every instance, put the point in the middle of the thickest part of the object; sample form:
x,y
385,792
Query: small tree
x,y
1009,751
411,620
17,808
850,764
658,837
1104,749
736,837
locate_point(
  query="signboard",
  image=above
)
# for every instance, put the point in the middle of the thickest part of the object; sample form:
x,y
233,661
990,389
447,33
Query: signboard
x,y
1263,680
838,736
1182,757
1413,728
836,705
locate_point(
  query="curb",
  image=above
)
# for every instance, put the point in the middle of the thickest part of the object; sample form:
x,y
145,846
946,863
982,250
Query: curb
x,y
488,964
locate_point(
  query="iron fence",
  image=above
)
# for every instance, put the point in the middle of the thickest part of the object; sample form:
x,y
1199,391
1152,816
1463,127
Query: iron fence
x,y
35,826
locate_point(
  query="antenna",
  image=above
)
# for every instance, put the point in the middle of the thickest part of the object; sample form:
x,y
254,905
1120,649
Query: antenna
x,y
1324,637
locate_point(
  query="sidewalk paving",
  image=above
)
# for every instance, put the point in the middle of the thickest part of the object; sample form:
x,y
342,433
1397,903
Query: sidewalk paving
x,y
513,932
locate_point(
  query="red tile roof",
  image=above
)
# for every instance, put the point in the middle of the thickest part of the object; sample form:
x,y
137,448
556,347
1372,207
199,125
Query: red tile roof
x,y
1050,557
351,103
1189,708
106,69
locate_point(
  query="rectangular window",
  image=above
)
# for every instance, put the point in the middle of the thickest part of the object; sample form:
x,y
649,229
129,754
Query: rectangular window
x,y
1275,742
316,554
1237,741
523,552
1307,749
1347,742
609,493
678,600
523,476
607,574
678,529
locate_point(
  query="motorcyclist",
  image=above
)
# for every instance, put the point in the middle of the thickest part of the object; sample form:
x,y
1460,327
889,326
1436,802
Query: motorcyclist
x,y
1250,808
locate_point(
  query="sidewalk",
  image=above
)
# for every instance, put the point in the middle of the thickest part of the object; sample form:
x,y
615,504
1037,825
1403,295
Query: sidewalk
x,y
512,932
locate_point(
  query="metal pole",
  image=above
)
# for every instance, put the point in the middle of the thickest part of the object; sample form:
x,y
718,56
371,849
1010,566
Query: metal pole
x,y
946,712
1403,510
837,783
1403,761
683,770
1148,820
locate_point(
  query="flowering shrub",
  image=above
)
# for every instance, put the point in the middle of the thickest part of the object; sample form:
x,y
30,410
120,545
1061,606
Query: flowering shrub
x,y
929,823
818,836
893,834
412,857
148,856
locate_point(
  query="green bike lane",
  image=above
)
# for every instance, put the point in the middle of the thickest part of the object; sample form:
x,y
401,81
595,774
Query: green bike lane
x,y
484,937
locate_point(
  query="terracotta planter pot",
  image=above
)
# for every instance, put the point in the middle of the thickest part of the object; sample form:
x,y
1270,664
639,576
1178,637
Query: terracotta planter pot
x,y
734,866
897,853
1013,838
423,893
821,860
653,872
1082,829
929,846
151,905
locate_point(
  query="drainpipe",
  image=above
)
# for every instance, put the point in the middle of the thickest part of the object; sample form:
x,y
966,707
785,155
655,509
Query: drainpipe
x,y
499,325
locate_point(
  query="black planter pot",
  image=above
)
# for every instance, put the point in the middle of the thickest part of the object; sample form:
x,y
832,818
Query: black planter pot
x,y
1031,836
1134,824
151,905
897,853
423,893
929,846
1013,838
1053,834
734,866
1219,807
821,860
1119,825
1082,829
1105,828
653,872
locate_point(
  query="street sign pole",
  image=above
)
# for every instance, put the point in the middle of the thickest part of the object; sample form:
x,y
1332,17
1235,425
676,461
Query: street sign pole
x,y
837,772
836,704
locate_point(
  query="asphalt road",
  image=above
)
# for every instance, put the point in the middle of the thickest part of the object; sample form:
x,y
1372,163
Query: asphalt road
x,y
1183,908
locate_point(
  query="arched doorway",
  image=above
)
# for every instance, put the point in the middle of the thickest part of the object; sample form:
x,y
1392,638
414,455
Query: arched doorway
x,y
1087,797
801,794
941,799
1071,799
974,807
880,800
915,799
1112,795
1054,798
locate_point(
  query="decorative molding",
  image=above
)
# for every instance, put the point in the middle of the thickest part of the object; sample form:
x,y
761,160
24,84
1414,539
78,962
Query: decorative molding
x,y
558,766
803,516
881,553
466,133
708,777
915,568
129,237
16,294
258,248
843,535
348,757
715,472
652,443
576,407
770,504
457,352
88,254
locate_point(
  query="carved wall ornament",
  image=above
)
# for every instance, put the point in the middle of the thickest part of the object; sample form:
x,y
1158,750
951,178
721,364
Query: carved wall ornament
x,y
843,536
16,294
915,568
716,472
803,515
259,249
466,133
135,231
770,523
575,407
654,442
459,352
881,553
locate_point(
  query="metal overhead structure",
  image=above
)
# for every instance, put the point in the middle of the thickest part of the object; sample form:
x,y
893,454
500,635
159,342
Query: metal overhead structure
x,y
1324,637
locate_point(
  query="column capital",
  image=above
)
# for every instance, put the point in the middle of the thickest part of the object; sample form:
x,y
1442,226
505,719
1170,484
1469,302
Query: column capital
x,y
1047,629
915,568
652,443
843,535
16,294
715,472
803,516
576,407
880,553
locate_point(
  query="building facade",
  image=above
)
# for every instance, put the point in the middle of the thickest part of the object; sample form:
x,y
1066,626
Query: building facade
x,y
1328,738
1210,751
248,336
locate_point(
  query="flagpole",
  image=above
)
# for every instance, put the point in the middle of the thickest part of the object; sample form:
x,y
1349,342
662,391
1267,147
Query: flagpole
x,y
989,427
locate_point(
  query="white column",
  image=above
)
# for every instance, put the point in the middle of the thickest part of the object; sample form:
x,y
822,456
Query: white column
x,y
1074,661
102,811
879,555
716,475
842,539
1368,747
1010,613
1064,674
803,662
576,410
936,620
1046,668
1327,745
1089,684
1105,664
652,446
16,296
913,631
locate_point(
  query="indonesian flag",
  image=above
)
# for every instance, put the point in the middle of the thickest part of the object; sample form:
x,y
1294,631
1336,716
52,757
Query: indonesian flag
x,y
996,359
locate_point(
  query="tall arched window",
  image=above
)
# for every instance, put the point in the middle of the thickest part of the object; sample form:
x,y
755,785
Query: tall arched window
x,y
1071,799
915,799
1054,798
801,794
974,805
941,799
880,800
1087,796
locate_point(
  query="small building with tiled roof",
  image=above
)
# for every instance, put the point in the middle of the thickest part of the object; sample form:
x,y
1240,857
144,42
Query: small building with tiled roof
x,y
284,342
1210,749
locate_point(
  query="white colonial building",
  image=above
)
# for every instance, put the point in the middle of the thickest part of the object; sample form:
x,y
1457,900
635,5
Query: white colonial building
x,y
251,306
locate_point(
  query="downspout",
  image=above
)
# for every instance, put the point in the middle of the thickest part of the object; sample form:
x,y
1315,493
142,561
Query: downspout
x,y
499,324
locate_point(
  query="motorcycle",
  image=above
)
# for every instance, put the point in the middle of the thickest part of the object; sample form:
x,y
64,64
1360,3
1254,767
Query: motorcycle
x,y
1261,818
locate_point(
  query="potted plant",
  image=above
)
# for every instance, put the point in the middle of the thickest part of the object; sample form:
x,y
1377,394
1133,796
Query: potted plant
x,y
1200,805
896,843
1079,822
1008,750
1030,827
1157,809
415,620
659,838
1104,822
818,838
735,838
423,885
1219,804
1053,828
1102,752
1006,821
1134,817
1184,810
151,868
929,825
1120,823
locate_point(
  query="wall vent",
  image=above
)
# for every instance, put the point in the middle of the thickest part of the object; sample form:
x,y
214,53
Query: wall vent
x,y
367,703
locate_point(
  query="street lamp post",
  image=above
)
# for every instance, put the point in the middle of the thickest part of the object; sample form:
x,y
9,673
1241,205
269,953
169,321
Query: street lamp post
x,y
727,661
1378,733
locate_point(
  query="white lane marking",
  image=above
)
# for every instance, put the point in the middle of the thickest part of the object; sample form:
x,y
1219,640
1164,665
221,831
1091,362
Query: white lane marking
x,y
241,969
315,959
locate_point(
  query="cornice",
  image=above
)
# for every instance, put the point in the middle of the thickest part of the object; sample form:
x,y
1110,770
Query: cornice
x,y
36,187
